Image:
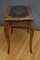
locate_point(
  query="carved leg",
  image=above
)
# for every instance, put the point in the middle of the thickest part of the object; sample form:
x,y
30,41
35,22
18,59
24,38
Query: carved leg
x,y
31,37
28,29
7,37
11,29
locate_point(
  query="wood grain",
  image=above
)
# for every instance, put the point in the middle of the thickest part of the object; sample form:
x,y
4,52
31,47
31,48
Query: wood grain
x,y
20,45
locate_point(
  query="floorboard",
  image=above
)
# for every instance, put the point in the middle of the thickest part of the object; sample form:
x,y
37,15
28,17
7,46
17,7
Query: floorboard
x,y
19,45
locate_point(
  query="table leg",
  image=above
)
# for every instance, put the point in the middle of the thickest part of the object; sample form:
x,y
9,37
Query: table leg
x,y
28,29
11,29
31,37
6,31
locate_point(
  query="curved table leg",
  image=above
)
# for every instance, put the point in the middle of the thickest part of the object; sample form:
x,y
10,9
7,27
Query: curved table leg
x,y
6,31
11,29
31,37
28,29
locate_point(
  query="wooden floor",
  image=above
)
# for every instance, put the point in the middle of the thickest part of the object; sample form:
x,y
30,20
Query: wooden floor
x,y
19,46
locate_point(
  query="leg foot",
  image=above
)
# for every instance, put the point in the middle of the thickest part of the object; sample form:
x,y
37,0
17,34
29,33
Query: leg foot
x,y
7,37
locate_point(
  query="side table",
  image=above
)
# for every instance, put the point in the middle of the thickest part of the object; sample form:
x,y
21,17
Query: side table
x,y
18,22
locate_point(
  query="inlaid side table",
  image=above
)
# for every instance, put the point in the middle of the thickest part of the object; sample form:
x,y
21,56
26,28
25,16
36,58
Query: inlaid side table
x,y
18,17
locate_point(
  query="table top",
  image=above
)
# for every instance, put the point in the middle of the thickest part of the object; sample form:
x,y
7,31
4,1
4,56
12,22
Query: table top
x,y
17,10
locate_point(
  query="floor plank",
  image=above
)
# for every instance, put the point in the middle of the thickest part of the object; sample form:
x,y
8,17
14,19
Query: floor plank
x,y
19,46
